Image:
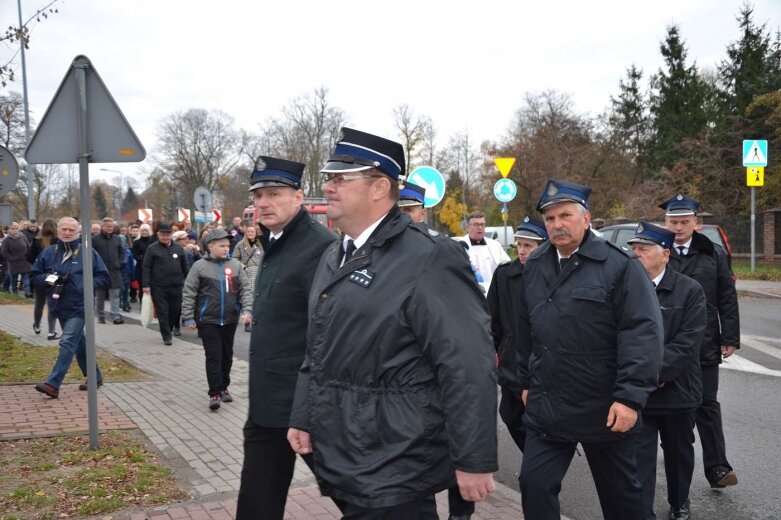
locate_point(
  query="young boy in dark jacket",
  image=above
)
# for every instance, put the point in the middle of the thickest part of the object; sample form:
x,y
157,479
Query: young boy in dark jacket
x,y
216,294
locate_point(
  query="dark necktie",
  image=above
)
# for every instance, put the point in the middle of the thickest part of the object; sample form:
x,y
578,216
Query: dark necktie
x,y
563,263
681,250
272,240
348,249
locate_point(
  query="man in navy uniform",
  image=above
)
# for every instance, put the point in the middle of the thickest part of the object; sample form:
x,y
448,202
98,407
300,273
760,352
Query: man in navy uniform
x,y
591,347
397,393
411,201
292,243
697,257
504,302
669,413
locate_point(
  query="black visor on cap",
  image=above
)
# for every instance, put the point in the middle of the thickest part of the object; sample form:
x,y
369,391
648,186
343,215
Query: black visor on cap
x,y
348,163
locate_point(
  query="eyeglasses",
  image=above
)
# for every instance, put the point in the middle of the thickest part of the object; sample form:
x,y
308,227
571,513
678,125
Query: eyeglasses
x,y
340,178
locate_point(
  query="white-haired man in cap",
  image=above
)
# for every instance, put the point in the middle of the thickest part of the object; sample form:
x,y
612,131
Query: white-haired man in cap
x,y
668,416
292,243
397,393
697,257
591,347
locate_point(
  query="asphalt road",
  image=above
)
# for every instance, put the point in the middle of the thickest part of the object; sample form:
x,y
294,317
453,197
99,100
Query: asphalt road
x,y
751,410
751,404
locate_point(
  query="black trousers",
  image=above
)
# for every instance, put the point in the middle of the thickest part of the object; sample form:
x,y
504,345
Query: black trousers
x,y
511,410
218,346
613,466
708,419
40,301
168,305
268,467
676,432
422,509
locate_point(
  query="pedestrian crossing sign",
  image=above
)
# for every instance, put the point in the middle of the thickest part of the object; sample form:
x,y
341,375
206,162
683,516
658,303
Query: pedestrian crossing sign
x,y
754,152
755,176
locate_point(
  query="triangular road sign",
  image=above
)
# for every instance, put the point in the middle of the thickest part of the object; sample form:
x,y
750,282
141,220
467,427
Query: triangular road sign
x,y
505,164
109,136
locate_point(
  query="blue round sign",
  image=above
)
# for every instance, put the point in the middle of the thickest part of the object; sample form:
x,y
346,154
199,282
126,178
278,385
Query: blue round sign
x,y
505,190
432,181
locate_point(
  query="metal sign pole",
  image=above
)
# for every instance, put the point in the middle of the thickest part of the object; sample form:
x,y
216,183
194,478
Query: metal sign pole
x,y
86,262
753,229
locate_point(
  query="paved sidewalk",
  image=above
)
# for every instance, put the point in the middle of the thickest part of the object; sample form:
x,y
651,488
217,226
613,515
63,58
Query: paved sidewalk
x,y
203,447
759,288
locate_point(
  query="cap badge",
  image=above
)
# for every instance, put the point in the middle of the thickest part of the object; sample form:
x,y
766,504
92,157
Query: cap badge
x,y
525,219
260,165
679,197
552,190
640,228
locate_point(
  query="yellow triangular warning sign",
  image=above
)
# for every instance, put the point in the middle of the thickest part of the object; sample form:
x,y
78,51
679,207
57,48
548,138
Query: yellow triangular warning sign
x,y
505,164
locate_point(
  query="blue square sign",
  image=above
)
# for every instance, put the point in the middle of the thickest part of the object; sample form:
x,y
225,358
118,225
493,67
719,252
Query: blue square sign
x,y
754,152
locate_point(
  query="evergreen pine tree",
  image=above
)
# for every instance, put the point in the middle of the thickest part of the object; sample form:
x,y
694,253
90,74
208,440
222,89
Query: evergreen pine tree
x,y
100,202
677,102
130,200
629,120
752,67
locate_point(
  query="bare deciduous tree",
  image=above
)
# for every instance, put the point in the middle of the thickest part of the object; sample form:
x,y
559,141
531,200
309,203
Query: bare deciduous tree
x,y
197,148
306,132
416,132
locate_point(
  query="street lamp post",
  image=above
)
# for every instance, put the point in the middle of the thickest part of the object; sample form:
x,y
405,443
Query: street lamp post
x,y
119,202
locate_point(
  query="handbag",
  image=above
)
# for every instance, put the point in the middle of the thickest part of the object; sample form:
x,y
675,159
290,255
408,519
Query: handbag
x,y
147,310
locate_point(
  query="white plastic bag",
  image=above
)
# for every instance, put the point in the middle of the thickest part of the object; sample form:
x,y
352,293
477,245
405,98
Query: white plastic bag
x,y
147,310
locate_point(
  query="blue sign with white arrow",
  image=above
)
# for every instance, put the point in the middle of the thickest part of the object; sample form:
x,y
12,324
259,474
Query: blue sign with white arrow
x,y
505,190
430,180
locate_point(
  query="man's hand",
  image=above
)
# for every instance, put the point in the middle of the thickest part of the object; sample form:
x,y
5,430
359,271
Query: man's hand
x,y
621,418
147,290
524,396
727,351
247,319
299,441
475,487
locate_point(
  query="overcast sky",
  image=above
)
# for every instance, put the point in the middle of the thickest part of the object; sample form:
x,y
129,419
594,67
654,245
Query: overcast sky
x,y
465,64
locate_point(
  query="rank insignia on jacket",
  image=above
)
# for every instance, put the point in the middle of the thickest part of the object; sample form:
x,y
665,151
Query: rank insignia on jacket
x,y
363,277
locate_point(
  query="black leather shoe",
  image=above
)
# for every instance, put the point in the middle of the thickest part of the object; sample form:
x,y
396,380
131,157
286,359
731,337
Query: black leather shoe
x,y
459,517
722,477
83,386
118,321
101,320
167,341
177,332
684,513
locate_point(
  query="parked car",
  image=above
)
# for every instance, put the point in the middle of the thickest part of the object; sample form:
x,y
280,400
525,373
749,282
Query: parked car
x,y
620,233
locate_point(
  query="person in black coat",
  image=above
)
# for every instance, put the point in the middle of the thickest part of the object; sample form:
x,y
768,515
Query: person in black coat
x,y
503,302
109,247
397,392
591,347
697,257
669,413
140,244
292,242
164,271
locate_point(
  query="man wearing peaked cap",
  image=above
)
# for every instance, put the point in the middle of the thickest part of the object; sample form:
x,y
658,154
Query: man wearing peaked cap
x,y
503,302
411,201
397,393
696,256
357,151
292,243
668,416
589,358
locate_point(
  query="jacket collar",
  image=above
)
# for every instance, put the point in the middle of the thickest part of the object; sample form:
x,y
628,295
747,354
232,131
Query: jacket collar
x,y
668,280
701,243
